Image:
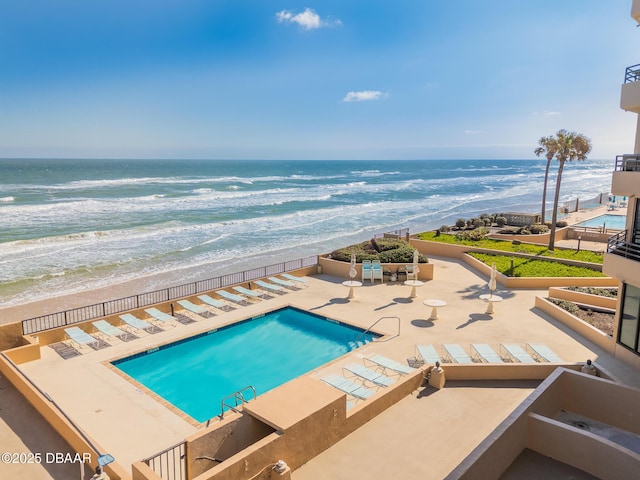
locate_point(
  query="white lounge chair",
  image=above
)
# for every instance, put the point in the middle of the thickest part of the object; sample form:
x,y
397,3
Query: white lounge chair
x,y
347,386
376,271
257,294
105,329
134,322
285,283
484,353
271,287
163,318
517,354
81,338
456,354
428,354
293,278
411,275
214,302
368,374
193,308
232,297
542,353
367,271
389,364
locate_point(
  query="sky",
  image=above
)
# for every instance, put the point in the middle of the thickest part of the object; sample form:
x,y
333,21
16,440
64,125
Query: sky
x,y
330,79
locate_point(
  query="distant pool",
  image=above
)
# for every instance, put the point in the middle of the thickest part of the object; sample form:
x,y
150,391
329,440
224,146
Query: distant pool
x,y
196,373
610,221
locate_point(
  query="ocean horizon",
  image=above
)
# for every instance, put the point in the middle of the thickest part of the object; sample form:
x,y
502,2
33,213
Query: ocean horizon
x,y
72,225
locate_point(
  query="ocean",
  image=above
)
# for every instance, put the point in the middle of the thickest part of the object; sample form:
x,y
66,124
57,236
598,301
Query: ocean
x,y
69,226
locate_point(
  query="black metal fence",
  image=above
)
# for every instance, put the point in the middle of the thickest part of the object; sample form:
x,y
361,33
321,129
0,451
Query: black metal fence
x,y
171,463
111,307
632,74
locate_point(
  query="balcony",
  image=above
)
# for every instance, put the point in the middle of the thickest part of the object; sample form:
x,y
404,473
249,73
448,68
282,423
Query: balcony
x,y
630,98
622,259
626,175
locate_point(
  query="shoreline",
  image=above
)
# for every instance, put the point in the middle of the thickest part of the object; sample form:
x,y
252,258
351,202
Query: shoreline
x,y
58,303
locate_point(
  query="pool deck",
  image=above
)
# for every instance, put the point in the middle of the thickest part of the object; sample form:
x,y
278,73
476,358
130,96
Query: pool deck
x,y
425,435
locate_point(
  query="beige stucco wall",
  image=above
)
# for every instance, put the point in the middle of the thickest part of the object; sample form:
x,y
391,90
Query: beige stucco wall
x,y
589,332
585,298
532,425
540,282
624,269
54,417
341,269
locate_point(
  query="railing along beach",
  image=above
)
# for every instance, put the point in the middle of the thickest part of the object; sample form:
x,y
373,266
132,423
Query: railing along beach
x,y
111,307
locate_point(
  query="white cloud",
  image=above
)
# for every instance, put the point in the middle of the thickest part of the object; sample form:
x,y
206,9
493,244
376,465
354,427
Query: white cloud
x,y
472,132
550,114
309,19
363,96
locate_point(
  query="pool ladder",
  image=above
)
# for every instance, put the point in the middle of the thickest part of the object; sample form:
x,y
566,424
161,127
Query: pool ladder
x,y
238,398
374,324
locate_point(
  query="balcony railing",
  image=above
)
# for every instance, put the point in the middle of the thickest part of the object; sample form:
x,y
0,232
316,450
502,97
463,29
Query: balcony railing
x,y
632,74
618,245
627,163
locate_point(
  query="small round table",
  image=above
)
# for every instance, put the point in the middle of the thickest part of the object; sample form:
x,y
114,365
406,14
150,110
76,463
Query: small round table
x,y
413,284
490,299
351,284
434,303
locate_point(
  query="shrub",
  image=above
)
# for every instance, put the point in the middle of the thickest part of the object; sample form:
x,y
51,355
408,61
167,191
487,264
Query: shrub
x,y
603,292
523,231
538,229
501,221
444,228
391,250
561,224
461,222
473,235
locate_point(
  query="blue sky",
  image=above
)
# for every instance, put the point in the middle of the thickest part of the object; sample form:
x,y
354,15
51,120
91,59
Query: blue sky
x,y
311,80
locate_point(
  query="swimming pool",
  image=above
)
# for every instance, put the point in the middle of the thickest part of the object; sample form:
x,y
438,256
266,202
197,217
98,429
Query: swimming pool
x,y
196,373
610,221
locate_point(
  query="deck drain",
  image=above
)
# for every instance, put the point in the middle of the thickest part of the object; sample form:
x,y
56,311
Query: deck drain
x,y
581,425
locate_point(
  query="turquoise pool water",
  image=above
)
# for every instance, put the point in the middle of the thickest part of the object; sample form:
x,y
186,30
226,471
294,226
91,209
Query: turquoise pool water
x,y
610,221
196,373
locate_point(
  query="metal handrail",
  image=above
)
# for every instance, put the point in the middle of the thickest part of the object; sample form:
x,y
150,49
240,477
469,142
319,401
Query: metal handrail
x,y
237,396
627,163
125,304
374,324
632,74
618,245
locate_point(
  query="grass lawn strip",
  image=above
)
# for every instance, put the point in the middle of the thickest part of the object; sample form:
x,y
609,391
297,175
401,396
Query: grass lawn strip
x,y
525,267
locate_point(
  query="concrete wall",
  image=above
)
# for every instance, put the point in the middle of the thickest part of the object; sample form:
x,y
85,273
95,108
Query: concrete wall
x,y
55,418
583,298
458,251
624,269
539,282
532,426
588,452
297,445
341,269
589,332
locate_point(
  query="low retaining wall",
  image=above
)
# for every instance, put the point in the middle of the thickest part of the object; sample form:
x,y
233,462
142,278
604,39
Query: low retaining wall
x,y
54,417
539,282
532,425
458,251
583,298
592,334
341,269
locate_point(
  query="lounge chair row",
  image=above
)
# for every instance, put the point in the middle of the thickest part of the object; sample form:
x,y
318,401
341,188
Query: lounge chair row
x,y
484,353
366,374
105,330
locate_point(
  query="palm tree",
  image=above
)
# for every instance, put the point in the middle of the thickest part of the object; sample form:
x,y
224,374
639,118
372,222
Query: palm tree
x,y
564,146
548,147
